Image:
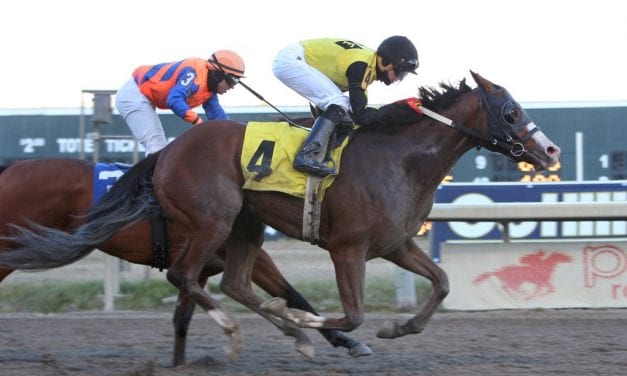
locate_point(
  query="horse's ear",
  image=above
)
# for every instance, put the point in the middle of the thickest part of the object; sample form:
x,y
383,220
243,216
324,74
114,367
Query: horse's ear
x,y
485,84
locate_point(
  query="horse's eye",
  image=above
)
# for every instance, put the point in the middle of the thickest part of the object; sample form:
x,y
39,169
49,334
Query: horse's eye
x,y
511,113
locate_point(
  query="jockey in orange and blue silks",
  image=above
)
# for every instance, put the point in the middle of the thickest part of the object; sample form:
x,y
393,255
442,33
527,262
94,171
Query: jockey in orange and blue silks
x,y
322,70
179,86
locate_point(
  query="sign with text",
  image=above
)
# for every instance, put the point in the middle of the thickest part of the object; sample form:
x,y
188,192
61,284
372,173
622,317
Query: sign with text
x,y
529,275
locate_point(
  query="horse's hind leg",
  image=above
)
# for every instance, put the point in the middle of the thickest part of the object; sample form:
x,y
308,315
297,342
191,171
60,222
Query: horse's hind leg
x,y
182,317
204,204
185,273
183,313
4,273
412,258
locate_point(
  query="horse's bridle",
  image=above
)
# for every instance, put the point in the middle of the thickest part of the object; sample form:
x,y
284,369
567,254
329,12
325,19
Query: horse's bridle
x,y
503,126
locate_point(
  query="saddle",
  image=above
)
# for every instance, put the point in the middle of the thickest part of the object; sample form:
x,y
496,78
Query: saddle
x,y
267,165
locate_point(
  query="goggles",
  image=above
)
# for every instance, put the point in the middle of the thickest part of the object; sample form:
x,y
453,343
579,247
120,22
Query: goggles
x,y
403,66
231,80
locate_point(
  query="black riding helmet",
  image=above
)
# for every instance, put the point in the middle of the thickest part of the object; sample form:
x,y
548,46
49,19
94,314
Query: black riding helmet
x,y
398,53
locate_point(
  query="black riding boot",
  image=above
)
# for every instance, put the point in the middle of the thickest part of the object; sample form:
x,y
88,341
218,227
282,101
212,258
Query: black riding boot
x,y
310,158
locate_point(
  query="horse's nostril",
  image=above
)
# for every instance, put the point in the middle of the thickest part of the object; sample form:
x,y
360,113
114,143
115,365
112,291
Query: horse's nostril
x,y
553,150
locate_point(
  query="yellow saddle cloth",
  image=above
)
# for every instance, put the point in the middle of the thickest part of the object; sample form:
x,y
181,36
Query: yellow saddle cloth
x,y
268,154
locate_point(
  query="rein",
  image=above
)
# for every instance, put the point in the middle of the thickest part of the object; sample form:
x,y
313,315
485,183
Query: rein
x,y
499,136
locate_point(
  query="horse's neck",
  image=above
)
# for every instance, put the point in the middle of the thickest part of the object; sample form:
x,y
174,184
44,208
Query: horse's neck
x,y
440,146
430,149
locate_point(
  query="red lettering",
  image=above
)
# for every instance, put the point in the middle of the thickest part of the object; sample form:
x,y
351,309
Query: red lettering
x,y
606,261
616,291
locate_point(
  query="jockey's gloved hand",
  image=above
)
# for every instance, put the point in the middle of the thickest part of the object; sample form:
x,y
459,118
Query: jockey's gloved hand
x,y
369,117
347,120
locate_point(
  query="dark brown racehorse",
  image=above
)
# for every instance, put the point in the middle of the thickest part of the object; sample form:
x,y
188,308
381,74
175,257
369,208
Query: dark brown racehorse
x,y
57,193
376,205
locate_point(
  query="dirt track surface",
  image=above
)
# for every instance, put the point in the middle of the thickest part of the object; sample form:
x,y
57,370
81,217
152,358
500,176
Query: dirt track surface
x,y
556,342
499,343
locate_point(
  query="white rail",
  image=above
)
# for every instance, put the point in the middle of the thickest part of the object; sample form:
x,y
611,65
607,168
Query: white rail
x,y
530,211
506,212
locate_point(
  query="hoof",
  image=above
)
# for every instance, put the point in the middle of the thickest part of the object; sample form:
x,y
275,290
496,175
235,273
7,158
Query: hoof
x,y
359,350
234,346
389,329
229,325
274,306
178,362
302,342
306,349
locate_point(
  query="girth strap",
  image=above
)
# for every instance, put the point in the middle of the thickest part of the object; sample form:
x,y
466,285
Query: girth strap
x,y
311,210
160,242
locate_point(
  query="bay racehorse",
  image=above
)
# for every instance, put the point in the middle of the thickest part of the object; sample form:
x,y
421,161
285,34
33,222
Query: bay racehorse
x,y
58,193
382,195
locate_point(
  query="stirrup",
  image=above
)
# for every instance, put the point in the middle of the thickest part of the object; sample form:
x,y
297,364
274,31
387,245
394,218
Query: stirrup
x,y
315,168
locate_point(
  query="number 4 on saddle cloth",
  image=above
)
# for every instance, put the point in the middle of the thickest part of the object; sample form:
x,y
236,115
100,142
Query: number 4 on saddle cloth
x,y
268,153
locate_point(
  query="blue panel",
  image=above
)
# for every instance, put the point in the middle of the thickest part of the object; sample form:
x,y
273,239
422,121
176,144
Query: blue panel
x,y
515,192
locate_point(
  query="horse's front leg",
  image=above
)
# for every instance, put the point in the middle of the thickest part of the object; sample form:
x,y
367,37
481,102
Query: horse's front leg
x,y
267,276
412,258
350,266
240,259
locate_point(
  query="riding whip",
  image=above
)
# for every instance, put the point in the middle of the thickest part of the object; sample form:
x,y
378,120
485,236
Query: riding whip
x,y
287,118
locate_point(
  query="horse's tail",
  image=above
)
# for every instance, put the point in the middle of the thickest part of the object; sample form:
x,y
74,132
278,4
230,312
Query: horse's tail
x,y
129,200
482,277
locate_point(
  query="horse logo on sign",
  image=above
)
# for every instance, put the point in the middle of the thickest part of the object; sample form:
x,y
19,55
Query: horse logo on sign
x,y
532,278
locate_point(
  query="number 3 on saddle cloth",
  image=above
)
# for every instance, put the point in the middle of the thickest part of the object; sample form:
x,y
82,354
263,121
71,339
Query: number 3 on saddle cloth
x,y
105,175
267,157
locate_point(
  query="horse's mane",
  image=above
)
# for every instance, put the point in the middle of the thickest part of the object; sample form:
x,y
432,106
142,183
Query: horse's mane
x,y
433,98
437,100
